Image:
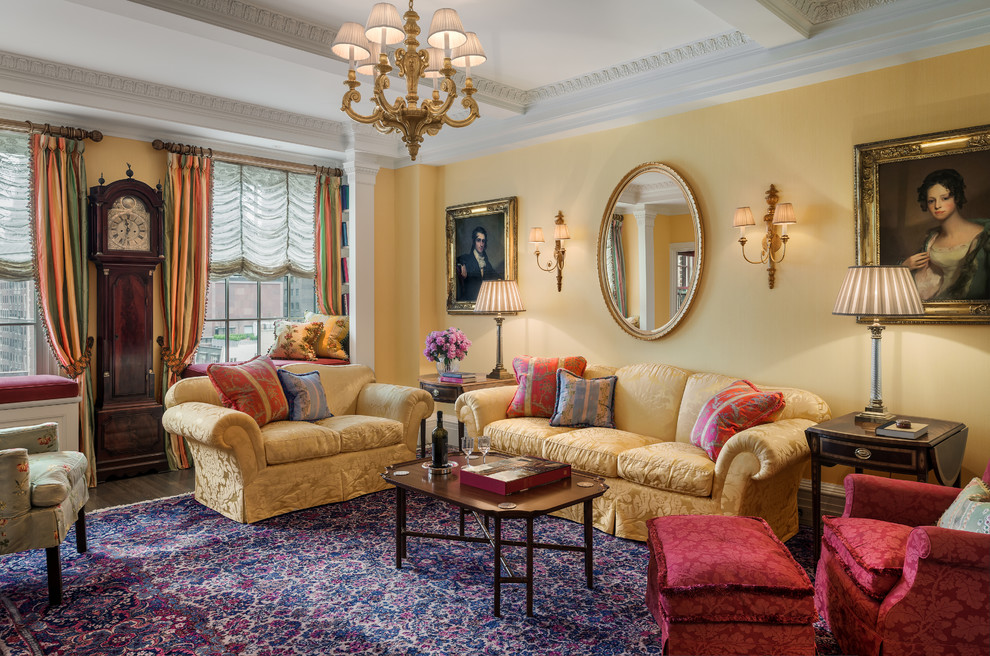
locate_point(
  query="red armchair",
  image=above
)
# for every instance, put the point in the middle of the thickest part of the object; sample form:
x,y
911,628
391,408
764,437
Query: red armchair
x,y
890,581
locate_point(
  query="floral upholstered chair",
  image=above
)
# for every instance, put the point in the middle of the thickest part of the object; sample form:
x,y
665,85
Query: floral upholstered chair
x,y
42,492
906,569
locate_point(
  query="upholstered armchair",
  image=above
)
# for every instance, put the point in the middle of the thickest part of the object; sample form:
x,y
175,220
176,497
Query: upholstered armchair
x,y
890,581
42,492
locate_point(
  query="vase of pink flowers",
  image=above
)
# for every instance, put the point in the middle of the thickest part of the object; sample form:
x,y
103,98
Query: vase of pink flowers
x,y
446,348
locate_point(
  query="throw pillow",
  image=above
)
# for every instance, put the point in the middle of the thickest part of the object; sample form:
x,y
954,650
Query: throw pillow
x,y
737,407
305,394
251,387
295,341
332,343
971,509
537,380
584,402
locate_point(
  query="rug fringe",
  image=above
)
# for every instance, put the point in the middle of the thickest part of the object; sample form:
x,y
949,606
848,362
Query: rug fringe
x,y
138,503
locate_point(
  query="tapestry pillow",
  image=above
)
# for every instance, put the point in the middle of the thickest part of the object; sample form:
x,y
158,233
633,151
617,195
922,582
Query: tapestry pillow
x,y
295,341
537,380
737,407
251,387
333,342
584,402
304,392
971,509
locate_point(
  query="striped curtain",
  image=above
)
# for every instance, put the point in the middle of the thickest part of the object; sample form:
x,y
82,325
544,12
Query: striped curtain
x,y
329,216
185,273
617,264
60,241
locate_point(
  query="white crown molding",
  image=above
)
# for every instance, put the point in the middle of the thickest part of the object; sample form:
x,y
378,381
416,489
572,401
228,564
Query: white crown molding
x,y
823,11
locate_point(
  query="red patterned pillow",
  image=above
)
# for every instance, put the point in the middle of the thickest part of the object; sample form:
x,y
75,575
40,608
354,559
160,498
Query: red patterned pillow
x,y
537,379
251,387
737,407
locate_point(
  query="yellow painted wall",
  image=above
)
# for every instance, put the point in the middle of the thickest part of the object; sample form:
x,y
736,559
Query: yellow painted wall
x,y
801,140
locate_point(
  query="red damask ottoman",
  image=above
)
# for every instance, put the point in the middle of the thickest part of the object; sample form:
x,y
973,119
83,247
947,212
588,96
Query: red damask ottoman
x,y
727,585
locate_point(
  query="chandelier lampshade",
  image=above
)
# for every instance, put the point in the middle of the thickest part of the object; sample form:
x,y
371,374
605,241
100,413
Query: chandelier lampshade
x,y
365,48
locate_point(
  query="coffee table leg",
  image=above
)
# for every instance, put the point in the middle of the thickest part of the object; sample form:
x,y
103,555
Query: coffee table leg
x,y
498,567
589,548
400,526
529,566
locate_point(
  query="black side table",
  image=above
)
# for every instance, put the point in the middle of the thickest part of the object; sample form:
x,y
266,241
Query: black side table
x,y
846,441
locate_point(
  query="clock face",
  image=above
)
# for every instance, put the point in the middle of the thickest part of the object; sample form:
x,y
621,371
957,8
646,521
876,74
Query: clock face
x,y
128,225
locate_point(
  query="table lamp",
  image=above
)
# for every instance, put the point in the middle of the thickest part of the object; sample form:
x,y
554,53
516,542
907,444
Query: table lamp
x,y
878,292
499,296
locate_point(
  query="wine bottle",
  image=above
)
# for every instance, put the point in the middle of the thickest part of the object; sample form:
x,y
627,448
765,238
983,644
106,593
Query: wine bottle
x,y
439,443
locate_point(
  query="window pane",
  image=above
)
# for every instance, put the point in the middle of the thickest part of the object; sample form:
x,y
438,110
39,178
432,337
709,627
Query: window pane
x,y
243,340
243,295
267,334
211,346
273,298
17,301
302,297
216,301
16,350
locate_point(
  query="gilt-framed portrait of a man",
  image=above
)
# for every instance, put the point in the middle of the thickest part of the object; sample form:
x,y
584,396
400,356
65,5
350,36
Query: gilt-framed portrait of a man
x,y
924,202
481,245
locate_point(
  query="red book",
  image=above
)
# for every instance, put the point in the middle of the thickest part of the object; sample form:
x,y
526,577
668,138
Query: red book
x,y
514,474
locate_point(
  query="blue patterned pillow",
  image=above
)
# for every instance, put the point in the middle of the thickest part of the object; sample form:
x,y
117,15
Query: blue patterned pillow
x,y
583,402
307,400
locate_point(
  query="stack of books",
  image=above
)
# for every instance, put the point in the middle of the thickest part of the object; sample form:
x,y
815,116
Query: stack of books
x,y
457,377
514,474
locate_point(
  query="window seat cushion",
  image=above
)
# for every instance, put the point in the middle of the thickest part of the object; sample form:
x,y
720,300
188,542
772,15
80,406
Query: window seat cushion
x,y
19,389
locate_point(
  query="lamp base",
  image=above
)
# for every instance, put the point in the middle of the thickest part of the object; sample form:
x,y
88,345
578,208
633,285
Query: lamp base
x,y
873,417
499,373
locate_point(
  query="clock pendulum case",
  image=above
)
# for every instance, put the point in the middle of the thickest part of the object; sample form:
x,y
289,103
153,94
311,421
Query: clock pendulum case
x,y
126,245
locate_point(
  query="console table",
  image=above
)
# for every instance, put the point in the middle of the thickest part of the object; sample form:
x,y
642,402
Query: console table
x,y
846,441
448,393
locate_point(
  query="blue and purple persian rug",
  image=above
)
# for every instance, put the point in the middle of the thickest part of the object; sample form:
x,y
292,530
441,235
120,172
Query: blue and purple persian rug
x,y
173,577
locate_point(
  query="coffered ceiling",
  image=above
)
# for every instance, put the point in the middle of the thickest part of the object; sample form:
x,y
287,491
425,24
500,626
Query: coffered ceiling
x,y
257,76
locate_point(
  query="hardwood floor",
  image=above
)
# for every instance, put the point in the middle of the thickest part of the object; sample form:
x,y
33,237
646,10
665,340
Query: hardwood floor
x,y
140,488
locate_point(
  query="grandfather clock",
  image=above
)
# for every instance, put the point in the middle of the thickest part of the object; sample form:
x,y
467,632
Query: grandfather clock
x,y
126,245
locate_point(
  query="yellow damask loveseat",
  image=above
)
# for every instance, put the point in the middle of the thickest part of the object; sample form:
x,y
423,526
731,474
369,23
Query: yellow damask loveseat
x,y
249,473
648,460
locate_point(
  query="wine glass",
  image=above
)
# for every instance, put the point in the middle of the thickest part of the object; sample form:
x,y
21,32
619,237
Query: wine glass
x,y
484,445
467,446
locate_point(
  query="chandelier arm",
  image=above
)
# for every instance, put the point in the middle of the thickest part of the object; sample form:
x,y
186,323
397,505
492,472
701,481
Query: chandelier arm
x,y
782,250
352,96
437,111
550,265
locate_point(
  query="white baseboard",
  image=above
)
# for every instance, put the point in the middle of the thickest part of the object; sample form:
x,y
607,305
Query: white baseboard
x,y
833,500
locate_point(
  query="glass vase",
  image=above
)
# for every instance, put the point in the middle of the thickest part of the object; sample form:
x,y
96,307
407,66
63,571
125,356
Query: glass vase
x,y
448,366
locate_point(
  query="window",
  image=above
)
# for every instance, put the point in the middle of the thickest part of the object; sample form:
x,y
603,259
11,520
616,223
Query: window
x,y
241,315
261,259
23,350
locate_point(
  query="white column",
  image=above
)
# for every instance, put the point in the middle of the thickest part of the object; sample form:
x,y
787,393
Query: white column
x,y
645,221
361,170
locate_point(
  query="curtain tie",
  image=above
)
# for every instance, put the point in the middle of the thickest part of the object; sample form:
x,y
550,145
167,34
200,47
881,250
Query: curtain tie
x,y
76,367
174,363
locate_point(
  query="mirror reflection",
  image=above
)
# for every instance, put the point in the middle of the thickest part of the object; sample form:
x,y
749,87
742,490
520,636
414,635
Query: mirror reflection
x,y
649,251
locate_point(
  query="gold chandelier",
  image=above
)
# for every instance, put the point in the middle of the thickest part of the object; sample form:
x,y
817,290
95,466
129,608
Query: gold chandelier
x,y
365,50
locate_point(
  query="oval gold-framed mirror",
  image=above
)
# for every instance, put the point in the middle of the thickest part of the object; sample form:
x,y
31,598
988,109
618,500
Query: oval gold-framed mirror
x,y
650,251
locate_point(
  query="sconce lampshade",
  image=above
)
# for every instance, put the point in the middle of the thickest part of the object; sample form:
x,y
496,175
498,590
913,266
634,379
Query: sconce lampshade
x,y
446,29
878,291
560,231
536,236
351,43
499,296
436,63
784,214
743,217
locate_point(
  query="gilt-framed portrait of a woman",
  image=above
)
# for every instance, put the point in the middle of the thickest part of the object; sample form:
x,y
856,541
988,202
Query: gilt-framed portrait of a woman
x,y
924,202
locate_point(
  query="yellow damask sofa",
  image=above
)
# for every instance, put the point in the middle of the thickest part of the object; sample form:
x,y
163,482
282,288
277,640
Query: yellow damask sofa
x,y
249,473
648,460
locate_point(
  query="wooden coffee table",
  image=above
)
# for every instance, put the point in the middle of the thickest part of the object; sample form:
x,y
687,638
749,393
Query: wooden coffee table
x,y
529,504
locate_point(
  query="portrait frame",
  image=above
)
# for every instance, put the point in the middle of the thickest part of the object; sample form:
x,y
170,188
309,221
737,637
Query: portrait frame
x,y
500,219
890,224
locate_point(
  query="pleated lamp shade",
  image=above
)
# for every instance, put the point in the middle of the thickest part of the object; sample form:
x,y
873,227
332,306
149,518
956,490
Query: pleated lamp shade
x,y
384,24
367,66
743,217
446,30
469,54
499,296
351,43
878,291
436,63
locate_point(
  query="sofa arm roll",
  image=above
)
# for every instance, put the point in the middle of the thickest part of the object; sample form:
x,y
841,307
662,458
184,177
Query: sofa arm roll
x,y
217,427
478,408
408,405
948,546
776,446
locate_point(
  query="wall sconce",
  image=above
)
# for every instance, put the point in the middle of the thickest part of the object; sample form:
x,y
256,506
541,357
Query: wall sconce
x,y
559,232
782,215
